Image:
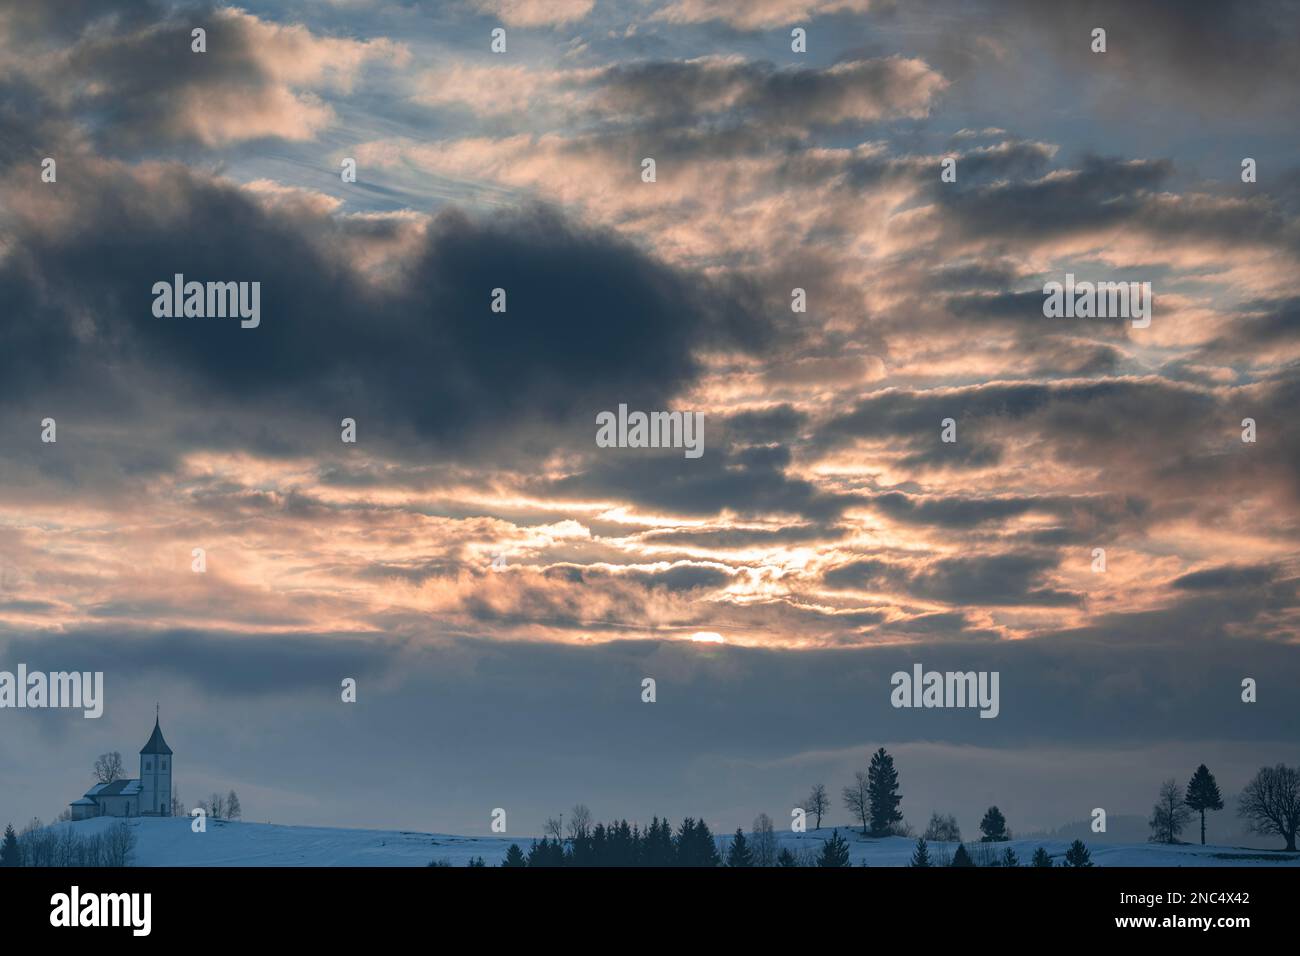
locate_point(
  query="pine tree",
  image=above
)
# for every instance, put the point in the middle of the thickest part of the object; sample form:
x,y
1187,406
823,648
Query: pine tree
x,y
882,787
835,851
994,827
1078,855
11,854
707,849
659,849
514,856
695,845
921,856
477,861
1040,858
1203,794
739,854
1009,857
547,853
961,857
786,858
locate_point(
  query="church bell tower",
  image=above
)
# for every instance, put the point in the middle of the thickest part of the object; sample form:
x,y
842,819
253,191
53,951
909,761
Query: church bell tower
x,y
156,775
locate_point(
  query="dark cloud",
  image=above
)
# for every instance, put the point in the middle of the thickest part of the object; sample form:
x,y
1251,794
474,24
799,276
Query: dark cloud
x,y
758,94
980,580
591,321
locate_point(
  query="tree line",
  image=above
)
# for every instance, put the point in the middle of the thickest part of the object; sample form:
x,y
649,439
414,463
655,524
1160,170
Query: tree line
x,y
39,845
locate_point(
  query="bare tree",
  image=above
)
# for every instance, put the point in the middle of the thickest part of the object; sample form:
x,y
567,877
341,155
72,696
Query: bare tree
x,y
580,821
118,846
857,799
1170,815
217,806
817,803
554,827
943,829
178,808
763,847
233,810
108,767
1271,803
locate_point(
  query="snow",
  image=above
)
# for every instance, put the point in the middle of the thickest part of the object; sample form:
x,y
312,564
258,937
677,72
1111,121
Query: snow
x,y
170,842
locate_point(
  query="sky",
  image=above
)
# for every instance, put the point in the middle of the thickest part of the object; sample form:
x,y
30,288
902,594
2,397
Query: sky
x,y
498,584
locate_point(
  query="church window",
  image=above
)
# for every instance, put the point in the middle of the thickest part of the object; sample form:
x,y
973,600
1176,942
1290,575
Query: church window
x,y
148,765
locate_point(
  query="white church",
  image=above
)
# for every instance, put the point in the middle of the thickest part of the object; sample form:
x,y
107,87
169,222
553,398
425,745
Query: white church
x,y
150,795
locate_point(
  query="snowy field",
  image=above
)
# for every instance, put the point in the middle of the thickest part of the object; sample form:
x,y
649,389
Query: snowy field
x,y
169,842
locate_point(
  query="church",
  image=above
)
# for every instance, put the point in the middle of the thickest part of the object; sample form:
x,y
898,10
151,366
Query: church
x,y
149,795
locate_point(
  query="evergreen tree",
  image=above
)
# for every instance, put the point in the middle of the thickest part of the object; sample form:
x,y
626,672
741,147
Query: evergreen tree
x,y
1203,794
882,787
835,851
961,857
546,853
786,858
1078,855
514,856
659,850
1040,858
695,845
994,827
707,851
921,856
477,861
11,854
739,854
1009,857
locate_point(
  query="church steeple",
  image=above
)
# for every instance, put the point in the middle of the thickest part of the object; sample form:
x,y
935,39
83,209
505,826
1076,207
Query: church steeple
x,y
156,744
156,773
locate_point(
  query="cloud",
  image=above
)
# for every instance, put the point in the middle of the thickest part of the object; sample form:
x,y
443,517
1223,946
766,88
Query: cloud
x,y
142,85
757,14
536,13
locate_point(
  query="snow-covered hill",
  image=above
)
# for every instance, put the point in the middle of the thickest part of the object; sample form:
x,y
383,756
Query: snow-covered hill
x,y
170,842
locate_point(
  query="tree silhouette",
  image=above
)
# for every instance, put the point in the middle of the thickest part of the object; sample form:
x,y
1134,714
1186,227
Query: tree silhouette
x,y
1203,794
1169,816
1078,855
920,856
961,857
835,851
739,854
1040,858
514,856
11,853
882,785
857,798
1271,802
994,827
817,803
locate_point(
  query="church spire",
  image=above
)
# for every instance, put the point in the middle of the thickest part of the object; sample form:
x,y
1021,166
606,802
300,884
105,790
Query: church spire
x,y
156,744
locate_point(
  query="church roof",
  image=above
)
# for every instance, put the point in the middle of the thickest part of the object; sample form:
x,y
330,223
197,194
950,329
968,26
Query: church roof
x,y
156,744
118,788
